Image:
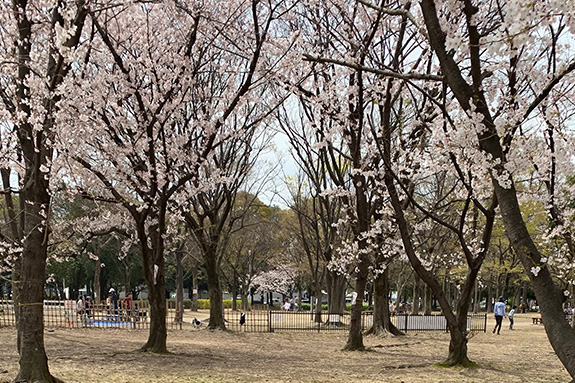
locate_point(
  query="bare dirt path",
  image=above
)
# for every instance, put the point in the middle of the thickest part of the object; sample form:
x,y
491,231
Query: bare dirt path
x,y
201,356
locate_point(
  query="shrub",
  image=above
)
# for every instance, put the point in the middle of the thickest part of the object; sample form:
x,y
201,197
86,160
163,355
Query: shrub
x,y
187,303
348,307
204,304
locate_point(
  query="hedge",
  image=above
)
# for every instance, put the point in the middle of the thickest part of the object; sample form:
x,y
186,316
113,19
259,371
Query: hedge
x,y
204,303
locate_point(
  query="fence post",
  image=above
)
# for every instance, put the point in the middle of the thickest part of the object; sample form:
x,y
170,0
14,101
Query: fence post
x,y
269,319
485,325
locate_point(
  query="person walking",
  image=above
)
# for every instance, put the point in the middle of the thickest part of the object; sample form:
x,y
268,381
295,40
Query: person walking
x,y
510,316
499,311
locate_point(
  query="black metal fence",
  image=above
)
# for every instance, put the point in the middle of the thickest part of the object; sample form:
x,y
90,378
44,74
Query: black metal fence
x,y
282,321
64,314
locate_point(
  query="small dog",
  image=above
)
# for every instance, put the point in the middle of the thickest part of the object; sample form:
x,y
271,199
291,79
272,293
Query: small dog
x,y
196,323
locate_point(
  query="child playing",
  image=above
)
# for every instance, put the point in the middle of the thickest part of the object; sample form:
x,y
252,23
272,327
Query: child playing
x,y
511,314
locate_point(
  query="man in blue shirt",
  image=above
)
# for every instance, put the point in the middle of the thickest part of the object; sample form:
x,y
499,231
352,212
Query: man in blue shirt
x,y
499,311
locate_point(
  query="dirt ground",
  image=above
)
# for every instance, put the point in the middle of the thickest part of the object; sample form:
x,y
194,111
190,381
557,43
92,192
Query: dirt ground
x,y
201,356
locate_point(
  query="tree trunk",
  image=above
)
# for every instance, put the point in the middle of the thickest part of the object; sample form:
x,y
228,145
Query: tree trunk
x,y
158,332
195,288
215,291
179,286
489,300
524,297
516,296
234,293
355,338
335,292
476,297
16,272
33,359
318,308
97,288
382,325
416,286
245,303
428,298
155,272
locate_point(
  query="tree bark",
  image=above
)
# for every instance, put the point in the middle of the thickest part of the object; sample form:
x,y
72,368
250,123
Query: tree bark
x,y
155,273
335,292
382,325
215,291
416,286
33,359
428,298
234,293
179,286
318,306
195,288
97,288
355,337
158,332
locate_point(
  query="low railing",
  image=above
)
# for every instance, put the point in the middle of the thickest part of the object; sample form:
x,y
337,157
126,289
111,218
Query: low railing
x,y
58,314
276,321
420,323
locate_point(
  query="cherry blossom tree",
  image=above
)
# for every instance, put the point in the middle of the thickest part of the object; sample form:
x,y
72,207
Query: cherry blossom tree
x,y
38,43
160,103
504,64
388,149
210,215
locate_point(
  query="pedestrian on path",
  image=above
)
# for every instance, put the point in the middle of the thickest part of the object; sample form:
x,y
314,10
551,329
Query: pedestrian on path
x,y
499,311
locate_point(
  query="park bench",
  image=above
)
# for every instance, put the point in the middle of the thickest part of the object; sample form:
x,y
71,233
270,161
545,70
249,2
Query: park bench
x,y
537,320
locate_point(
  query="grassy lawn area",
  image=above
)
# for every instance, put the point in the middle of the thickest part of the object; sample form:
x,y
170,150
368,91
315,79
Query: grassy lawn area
x,y
109,355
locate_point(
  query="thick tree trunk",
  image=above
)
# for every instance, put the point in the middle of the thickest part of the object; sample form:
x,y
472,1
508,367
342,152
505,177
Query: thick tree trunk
x,y
335,292
157,297
33,359
382,325
457,350
355,338
158,333
215,291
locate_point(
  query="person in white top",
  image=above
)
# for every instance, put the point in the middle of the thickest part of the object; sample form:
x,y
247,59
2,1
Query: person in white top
x,y
511,315
499,311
